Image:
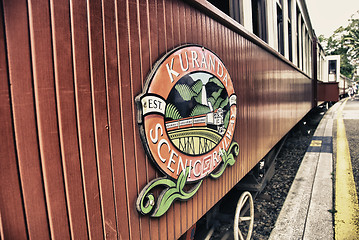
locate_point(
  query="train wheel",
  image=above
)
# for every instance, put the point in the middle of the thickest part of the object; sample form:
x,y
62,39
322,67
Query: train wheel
x,y
243,223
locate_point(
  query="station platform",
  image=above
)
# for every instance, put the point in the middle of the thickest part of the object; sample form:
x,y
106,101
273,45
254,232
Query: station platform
x,y
322,202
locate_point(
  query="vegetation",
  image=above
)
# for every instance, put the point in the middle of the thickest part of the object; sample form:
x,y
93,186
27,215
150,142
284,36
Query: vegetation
x,y
345,42
185,100
172,112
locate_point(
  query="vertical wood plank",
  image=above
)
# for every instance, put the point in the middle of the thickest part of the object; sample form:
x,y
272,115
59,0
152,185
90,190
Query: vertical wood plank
x,y
161,27
61,34
46,118
127,119
176,30
18,49
99,104
242,108
12,218
112,88
115,133
236,82
80,45
169,27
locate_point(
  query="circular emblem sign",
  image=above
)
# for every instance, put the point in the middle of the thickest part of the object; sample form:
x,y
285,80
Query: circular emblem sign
x,y
187,112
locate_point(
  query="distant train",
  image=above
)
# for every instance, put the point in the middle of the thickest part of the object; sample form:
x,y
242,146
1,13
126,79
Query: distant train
x,y
87,88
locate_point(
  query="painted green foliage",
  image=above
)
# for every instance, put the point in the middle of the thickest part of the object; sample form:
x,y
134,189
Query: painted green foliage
x,y
172,112
189,92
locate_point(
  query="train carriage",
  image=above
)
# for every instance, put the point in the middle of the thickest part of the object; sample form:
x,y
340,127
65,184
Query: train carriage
x,y
81,144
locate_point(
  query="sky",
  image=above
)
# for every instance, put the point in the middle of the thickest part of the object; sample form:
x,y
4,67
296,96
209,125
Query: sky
x,y
328,15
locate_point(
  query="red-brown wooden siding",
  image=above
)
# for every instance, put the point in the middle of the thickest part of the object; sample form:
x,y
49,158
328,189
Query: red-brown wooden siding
x,y
71,159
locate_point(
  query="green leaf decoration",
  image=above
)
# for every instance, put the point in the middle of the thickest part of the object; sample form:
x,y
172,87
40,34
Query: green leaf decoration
x,y
224,103
226,119
172,112
228,159
199,110
146,200
197,87
185,91
198,98
218,102
174,190
216,81
211,100
216,95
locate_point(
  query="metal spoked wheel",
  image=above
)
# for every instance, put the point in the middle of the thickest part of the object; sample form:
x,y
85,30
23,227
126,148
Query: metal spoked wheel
x,y
243,223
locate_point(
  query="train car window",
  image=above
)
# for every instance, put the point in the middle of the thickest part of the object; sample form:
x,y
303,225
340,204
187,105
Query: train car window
x,y
234,10
259,19
221,5
289,10
290,44
305,48
302,45
319,66
332,70
298,36
280,36
229,7
309,54
306,53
